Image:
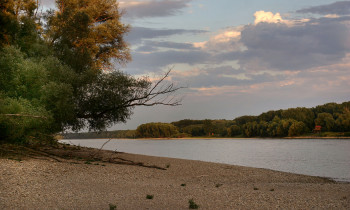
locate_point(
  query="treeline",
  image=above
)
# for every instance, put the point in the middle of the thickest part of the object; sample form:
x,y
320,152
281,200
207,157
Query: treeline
x,y
332,117
128,134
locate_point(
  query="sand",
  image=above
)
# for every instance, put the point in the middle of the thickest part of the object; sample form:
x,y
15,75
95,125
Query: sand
x,y
124,180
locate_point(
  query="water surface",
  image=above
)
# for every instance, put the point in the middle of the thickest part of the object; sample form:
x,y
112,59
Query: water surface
x,y
316,157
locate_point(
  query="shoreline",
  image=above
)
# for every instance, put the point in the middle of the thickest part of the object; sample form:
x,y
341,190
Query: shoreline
x,y
125,180
214,138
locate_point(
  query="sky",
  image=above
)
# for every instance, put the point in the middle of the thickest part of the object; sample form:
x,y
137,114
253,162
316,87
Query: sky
x,y
241,57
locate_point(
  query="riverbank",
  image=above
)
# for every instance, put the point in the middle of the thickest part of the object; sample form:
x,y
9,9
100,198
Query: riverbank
x,y
82,178
204,137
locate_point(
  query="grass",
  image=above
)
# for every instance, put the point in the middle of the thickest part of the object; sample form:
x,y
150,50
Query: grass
x,y
183,185
218,185
150,197
192,204
255,188
168,166
112,206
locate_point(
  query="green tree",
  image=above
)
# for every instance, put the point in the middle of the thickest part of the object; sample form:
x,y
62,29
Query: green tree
x,y
300,114
234,130
325,120
297,128
343,121
194,130
156,130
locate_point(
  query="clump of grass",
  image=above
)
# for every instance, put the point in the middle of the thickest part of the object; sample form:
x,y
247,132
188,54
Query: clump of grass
x,y
255,188
183,185
272,190
112,206
168,166
192,204
103,165
87,162
218,185
149,196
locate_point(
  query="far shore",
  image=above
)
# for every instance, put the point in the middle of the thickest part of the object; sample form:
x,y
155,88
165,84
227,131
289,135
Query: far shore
x,y
213,138
85,178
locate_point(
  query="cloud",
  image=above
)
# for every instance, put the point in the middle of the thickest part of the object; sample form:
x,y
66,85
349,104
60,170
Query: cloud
x,y
270,55
339,8
216,80
137,34
267,17
295,47
170,45
146,9
225,40
155,61
265,46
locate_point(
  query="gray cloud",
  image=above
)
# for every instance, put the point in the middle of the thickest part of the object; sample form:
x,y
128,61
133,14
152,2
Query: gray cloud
x,y
150,62
295,47
223,76
154,8
269,46
137,34
171,45
339,8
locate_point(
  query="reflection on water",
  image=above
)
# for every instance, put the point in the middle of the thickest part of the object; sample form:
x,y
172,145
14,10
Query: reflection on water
x,y
317,157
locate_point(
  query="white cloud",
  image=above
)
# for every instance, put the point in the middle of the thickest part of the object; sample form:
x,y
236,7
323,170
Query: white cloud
x,y
267,17
226,40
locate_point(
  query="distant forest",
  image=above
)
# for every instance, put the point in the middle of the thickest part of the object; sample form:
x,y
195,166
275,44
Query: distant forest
x,y
332,117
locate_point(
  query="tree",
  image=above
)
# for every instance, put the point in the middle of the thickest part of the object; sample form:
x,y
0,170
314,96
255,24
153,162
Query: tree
x,y
234,130
325,120
296,128
300,114
88,33
343,121
112,97
156,130
194,130
64,76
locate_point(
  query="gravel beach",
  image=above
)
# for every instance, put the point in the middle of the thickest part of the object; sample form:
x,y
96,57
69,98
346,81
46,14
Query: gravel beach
x,y
95,179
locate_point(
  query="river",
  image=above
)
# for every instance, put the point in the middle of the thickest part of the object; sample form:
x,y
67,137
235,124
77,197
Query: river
x,y
317,157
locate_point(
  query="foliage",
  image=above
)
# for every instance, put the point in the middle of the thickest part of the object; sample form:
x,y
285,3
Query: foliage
x,y
269,124
325,120
156,130
60,75
87,33
281,123
192,204
149,197
22,121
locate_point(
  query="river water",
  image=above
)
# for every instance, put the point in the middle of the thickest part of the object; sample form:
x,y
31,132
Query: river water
x,y
317,157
